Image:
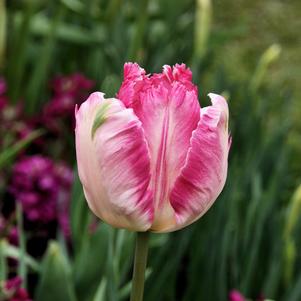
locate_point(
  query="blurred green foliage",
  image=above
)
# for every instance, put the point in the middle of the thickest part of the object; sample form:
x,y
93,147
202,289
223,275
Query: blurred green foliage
x,y
247,240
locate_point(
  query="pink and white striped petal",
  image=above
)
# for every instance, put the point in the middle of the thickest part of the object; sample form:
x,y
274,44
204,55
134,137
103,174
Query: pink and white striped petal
x,y
168,118
167,105
204,174
114,163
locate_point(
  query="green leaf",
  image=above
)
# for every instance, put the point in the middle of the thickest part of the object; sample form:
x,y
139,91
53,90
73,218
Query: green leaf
x,y
41,26
7,155
80,214
56,281
110,85
38,78
90,262
101,291
75,5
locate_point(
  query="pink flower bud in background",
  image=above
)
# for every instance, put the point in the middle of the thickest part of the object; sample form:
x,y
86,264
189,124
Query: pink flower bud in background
x,y
235,295
152,159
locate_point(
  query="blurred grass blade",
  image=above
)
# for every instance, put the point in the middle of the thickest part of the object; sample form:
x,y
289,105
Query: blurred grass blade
x,y
290,248
110,85
11,251
120,241
40,72
3,262
111,268
7,155
20,43
139,31
74,5
22,269
90,262
295,293
164,277
2,32
41,26
293,213
113,8
101,291
268,57
79,214
202,28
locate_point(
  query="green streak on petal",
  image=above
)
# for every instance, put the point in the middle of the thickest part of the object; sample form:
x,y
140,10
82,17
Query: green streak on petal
x,y
100,118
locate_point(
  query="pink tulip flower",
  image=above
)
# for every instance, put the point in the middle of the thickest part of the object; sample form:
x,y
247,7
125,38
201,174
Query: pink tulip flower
x,y
152,159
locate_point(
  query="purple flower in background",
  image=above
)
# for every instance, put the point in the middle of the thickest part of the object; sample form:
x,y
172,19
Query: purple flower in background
x,y
3,98
2,86
13,236
34,185
43,189
11,116
73,84
13,283
13,290
60,105
67,92
235,295
9,231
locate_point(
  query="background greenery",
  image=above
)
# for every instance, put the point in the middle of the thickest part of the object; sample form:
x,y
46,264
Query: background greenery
x,y
249,51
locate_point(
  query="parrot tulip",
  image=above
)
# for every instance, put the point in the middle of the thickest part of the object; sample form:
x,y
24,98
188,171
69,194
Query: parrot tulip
x,y
151,158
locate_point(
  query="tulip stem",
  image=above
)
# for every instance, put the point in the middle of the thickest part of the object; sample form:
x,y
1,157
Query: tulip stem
x,y
139,266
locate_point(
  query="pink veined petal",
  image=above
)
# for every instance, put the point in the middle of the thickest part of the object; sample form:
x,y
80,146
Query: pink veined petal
x,y
204,174
166,103
179,73
133,71
113,163
134,80
168,119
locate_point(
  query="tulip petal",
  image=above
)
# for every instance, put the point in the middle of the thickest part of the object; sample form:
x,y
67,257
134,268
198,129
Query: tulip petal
x,y
114,163
134,80
167,105
168,119
204,174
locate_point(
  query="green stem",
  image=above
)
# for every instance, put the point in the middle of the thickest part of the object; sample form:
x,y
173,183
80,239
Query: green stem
x,y
2,31
139,266
3,262
22,245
